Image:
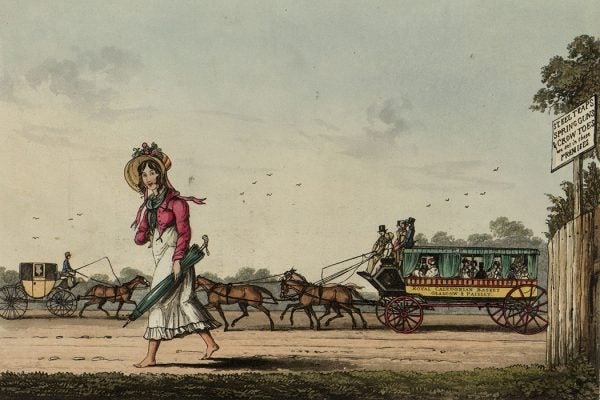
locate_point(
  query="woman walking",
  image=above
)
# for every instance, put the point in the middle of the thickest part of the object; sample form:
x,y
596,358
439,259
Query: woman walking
x,y
163,222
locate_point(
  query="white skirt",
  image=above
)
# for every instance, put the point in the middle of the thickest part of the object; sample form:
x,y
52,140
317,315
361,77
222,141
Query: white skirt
x,y
180,312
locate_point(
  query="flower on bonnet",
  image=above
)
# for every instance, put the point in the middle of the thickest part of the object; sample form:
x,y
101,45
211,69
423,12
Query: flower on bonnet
x,y
152,150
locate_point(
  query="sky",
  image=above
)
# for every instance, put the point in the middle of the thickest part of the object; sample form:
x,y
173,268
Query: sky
x,y
347,115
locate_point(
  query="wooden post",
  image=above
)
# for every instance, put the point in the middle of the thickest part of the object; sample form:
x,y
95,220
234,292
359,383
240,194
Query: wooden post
x,y
577,186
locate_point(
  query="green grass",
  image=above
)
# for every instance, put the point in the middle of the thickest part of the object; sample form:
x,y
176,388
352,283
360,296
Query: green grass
x,y
518,382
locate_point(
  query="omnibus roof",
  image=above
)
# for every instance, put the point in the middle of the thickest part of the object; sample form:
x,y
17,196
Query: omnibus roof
x,y
472,250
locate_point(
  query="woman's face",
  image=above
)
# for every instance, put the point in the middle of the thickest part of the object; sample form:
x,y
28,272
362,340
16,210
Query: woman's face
x,y
150,178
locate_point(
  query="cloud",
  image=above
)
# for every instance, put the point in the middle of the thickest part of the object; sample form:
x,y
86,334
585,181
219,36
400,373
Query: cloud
x,y
387,121
46,135
448,175
240,117
327,125
90,81
110,114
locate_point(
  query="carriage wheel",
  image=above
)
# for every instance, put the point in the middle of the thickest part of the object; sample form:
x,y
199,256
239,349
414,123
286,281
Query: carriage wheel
x,y
13,302
61,303
380,309
404,314
496,312
526,309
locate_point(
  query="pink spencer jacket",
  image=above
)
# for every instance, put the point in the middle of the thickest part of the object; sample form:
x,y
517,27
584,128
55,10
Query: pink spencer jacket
x,y
172,211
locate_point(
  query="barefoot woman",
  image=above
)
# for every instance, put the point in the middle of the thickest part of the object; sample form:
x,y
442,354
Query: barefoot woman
x,y
163,222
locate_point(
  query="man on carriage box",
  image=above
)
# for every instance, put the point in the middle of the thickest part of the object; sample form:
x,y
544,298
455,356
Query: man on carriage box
x,y
381,247
68,272
398,248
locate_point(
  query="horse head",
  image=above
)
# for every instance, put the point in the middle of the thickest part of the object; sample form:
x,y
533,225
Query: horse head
x,y
139,280
204,282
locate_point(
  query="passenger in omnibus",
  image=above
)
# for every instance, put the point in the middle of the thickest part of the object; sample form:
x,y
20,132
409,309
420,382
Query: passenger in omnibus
x,y
432,269
481,274
463,270
495,271
520,269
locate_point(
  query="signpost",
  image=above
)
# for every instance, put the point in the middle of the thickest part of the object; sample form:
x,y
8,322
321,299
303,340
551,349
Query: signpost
x,y
573,134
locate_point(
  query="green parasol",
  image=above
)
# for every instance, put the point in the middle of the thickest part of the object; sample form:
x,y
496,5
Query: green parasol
x,y
191,258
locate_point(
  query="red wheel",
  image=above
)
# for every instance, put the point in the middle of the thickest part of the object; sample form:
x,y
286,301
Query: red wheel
x,y
496,312
403,314
380,309
526,309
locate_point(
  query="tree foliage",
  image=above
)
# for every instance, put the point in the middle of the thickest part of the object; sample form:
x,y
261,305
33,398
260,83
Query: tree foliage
x,y
562,207
570,81
129,273
8,276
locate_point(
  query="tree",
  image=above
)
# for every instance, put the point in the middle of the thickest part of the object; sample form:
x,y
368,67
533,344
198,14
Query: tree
x,y
421,239
591,187
129,273
247,274
561,210
571,81
480,239
444,239
8,276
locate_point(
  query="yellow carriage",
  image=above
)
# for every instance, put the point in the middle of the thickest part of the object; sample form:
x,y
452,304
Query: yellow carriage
x,y
39,282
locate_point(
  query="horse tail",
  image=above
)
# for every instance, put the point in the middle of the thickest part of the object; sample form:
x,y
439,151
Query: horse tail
x,y
267,292
356,294
91,290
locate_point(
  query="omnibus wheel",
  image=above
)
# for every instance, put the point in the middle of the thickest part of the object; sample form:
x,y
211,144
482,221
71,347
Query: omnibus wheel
x,y
526,309
61,303
496,313
13,302
380,309
404,314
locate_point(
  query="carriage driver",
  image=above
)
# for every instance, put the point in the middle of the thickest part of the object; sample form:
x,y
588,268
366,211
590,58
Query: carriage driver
x,y
381,247
68,272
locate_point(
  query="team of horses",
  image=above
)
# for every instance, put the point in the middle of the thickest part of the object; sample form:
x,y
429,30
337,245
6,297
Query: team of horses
x,y
336,297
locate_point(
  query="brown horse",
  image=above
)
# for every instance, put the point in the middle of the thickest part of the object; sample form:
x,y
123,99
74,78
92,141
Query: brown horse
x,y
336,296
244,295
100,294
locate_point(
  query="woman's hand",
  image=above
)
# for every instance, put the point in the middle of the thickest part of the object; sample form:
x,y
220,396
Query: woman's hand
x,y
176,269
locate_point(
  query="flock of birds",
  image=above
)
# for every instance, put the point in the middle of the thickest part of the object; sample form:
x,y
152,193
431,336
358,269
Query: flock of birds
x,y
466,193
68,219
269,194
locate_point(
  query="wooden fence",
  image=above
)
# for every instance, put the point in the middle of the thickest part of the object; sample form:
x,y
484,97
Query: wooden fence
x,y
574,292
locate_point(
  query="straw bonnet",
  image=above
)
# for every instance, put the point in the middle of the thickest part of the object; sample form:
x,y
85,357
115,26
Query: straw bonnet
x,y
139,156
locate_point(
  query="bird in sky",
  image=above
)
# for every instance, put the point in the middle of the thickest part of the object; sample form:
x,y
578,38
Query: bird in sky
x,y
428,205
36,218
269,194
242,193
70,219
79,214
448,199
254,183
496,169
482,193
35,237
270,174
467,206
299,184
466,194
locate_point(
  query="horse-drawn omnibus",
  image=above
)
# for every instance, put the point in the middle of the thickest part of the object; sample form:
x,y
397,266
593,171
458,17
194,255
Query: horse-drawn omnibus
x,y
501,280
39,282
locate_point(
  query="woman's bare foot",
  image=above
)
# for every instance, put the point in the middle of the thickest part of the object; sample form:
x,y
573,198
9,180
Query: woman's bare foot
x,y
145,363
210,351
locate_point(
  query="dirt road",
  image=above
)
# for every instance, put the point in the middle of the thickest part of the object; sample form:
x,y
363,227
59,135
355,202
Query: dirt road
x,y
94,344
